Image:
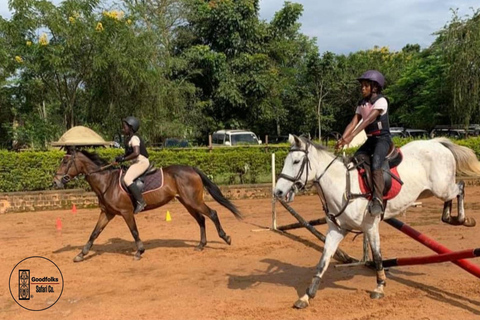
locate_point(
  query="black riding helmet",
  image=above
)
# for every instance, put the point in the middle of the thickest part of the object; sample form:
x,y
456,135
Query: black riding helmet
x,y
133,122
373,76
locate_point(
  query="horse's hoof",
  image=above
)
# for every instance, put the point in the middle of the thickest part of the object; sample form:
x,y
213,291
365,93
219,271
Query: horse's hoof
x,y
78,258
228,240
199,247
453,221
300,304
137,257
469,222
376,295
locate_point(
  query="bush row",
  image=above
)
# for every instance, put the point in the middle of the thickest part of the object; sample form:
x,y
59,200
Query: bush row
x,y
30,171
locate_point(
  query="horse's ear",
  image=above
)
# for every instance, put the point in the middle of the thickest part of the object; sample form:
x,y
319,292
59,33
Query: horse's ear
x,y
294,140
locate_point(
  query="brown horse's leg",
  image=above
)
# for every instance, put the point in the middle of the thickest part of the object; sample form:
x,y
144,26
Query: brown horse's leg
x,y
132,225
212,214
201,222
102,222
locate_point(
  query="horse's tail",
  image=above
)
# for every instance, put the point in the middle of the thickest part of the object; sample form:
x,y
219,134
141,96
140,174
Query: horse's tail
x,y
467,162
215,192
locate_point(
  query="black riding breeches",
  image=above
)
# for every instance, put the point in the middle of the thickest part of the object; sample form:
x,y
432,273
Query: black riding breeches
x,y
377,147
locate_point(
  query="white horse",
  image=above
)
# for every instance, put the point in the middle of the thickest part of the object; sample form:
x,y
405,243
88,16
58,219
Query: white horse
x,y
428,168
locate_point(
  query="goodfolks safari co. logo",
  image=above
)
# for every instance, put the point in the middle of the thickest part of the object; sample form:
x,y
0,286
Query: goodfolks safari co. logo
x,y
36,283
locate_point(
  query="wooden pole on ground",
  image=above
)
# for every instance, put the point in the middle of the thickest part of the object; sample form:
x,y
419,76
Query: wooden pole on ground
x,y
299,225
339,254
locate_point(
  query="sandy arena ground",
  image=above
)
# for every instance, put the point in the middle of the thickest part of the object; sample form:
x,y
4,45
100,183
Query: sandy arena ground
x,y
258,277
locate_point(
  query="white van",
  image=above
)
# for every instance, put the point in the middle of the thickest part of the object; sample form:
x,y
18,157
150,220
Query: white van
x,y
234,137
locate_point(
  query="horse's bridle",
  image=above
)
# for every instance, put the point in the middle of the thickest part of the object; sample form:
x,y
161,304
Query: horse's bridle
x,y
297,182
65,178
305,164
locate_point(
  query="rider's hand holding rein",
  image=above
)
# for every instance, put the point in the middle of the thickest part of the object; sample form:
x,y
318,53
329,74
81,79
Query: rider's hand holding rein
x,y
119,159
340,143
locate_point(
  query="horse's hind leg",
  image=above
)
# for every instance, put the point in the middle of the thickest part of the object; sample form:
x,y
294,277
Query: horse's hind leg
x,y
212,214
201,222
447,212
102,222
467,221
460,219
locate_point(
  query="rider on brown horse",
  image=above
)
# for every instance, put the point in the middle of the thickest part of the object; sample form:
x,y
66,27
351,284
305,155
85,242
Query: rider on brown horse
x,y
136,152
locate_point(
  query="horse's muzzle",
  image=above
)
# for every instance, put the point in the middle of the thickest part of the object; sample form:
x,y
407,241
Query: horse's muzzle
x,y
289,196
58,183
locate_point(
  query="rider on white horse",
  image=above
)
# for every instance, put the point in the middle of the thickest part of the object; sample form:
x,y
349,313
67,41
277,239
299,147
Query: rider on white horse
x,y
429,167
373,109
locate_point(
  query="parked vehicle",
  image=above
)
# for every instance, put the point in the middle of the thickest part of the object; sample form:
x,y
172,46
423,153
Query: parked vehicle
x,y
234,137
441,131
417,133
455,131
397,132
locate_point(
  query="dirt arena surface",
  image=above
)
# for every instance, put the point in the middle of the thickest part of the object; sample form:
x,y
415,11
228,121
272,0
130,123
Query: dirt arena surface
x,y
258,277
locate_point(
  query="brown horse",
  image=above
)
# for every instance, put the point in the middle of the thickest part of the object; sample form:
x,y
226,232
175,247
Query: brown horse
x,y
183,182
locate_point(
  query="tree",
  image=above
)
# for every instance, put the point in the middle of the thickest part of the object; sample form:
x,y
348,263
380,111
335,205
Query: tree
x,y
460,41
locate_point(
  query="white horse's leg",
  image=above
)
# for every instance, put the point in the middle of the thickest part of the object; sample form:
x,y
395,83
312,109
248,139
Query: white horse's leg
x,y
460,219
333,239
447,211
374,239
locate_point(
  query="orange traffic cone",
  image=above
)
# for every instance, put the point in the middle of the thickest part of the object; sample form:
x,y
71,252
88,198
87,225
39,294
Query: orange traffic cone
x,y
74,209
59,224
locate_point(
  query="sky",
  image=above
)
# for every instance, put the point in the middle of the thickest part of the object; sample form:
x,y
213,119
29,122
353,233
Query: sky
x,y
344,26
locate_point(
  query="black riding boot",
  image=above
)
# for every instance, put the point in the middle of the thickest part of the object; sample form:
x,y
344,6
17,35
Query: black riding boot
x,y
140,203
376,206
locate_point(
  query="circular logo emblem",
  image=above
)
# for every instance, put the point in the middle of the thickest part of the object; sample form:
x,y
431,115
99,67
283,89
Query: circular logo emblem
x,y
36,283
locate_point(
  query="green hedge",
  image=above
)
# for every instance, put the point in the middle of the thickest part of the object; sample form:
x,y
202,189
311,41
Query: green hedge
x,y
30,171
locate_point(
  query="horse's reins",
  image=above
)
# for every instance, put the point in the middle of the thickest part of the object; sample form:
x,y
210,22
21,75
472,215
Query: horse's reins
x,y
100,169
66,177
316,182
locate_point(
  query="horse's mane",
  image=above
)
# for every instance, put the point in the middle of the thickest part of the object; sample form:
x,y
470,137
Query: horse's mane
x,y
95,158
316,146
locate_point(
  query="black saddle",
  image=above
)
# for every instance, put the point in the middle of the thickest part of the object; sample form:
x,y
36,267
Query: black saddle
x,y
392,160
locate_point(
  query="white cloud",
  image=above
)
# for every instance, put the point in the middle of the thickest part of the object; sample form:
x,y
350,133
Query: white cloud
x,y
344,26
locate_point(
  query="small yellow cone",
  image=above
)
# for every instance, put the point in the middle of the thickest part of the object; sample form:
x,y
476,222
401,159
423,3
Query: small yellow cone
x,y
168,217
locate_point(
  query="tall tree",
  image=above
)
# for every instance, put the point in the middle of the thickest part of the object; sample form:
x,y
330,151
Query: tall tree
x,y
460,40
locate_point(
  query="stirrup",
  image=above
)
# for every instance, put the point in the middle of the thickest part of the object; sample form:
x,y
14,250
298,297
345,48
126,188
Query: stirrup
x,y
139,207
376,207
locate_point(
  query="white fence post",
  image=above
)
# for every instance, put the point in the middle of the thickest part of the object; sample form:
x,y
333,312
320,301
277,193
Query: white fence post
x,y
274,213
